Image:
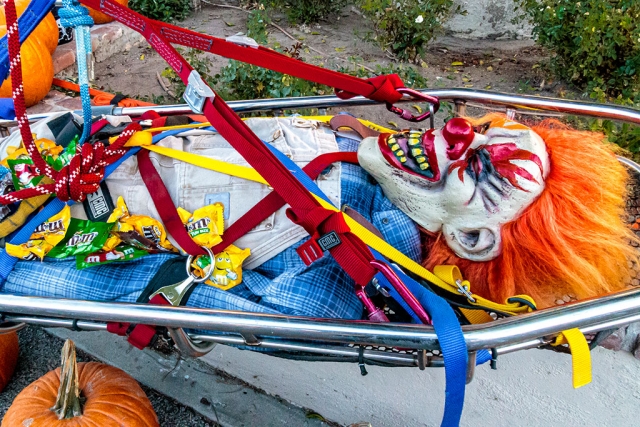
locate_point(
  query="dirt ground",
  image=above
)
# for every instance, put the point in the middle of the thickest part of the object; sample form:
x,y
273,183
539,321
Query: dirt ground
x,y
507,66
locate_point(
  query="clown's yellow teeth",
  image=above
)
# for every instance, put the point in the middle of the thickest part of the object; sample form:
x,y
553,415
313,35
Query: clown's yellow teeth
x,y
424,166
414,141
416,152
402,159
395,147
420,159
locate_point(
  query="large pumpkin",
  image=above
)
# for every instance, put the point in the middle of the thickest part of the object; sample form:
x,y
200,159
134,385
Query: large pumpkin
x,y
46,31
8,357
37,71
101,18
111,398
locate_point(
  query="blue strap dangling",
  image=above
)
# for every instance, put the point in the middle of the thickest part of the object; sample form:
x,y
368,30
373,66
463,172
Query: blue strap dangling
x,y
73,15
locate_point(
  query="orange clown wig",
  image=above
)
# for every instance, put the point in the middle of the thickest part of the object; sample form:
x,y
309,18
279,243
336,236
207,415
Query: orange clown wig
x,y
570,240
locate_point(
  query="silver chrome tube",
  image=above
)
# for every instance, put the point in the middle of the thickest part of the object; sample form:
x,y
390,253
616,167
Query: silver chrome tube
x,y
616,309
524,104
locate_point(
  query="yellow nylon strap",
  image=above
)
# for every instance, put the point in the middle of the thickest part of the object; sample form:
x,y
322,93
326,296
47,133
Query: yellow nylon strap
x,y
365,235
26,208
580,355
323,119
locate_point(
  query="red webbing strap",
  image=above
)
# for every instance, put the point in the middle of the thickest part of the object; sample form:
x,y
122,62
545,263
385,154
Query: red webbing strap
x,y
380,88
164,205
272,202
236,132
141,335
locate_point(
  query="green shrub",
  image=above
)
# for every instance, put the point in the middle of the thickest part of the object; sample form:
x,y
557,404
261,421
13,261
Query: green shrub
x,y
404,27
307,11
596,43
162,10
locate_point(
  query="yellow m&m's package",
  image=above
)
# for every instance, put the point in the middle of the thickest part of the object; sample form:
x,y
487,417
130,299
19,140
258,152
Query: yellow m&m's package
x,y
44,238
227,268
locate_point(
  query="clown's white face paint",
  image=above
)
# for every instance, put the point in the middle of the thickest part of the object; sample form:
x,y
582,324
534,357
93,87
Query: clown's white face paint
x,y
474,183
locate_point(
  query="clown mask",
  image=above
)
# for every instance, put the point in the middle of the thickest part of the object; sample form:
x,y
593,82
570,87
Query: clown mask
x,y
462,181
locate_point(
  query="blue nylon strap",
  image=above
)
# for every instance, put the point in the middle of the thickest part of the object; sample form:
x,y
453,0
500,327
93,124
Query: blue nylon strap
x,y
445,322
73,15
27,22
452,344
7,112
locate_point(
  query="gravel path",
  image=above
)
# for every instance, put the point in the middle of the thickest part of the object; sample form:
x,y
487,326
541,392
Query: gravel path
x,y
37,358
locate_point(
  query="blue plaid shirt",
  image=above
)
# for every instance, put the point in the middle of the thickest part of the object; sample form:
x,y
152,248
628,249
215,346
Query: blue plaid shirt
x,y
284,284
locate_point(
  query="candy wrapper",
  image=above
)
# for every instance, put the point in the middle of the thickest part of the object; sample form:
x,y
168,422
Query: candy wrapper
x,y
83,237
119,254
6,187
227,271
57,157
25,174
44,238
140,231
205,225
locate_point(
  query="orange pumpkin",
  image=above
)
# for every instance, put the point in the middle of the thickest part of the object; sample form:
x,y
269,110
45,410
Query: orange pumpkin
x,y
8,357
37,71
111,398
46,31
101,18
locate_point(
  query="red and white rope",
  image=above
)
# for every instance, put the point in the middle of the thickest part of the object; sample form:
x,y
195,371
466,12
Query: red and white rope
x,y
84,172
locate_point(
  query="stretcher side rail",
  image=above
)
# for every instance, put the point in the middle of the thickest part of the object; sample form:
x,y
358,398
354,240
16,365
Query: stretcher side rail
x,y
532,329
522,104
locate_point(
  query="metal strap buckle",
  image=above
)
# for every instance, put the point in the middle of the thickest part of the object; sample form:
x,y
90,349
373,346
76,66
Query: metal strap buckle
x,y
197,92
464,290
242,40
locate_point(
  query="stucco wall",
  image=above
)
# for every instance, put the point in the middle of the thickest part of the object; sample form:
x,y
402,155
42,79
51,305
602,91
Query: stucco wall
x,y
487,19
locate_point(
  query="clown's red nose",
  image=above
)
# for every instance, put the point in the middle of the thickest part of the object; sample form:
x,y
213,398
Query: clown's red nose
x,y
459,135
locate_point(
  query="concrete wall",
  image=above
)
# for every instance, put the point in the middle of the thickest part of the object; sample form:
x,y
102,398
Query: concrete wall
x,y
487,19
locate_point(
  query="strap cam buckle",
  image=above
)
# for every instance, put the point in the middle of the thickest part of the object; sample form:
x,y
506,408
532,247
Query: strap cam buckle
x,y
197,92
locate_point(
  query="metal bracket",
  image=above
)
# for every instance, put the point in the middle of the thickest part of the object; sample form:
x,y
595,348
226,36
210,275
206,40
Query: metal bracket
x,y
197,92
242,40
187,346
464,290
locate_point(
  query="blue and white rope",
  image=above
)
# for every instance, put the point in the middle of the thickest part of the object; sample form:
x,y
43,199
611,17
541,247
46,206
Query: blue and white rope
x,y
73,15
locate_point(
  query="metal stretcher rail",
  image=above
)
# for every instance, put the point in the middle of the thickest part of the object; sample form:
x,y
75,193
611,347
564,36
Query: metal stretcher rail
x,y
524,104
590,315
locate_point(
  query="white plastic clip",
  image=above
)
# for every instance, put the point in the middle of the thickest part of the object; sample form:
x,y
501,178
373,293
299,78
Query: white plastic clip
x,y
242,40
197,92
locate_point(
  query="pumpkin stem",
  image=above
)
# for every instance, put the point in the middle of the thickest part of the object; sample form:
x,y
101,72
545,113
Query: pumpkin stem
x,y
68,403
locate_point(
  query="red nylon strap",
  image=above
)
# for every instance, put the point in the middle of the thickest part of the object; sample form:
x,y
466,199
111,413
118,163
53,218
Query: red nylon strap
x,y
384,89
380,88
141,335
164,205
236,132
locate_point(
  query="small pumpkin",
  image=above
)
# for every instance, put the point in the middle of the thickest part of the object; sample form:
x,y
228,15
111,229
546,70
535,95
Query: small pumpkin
x,y
37,71
9,350
81,394
46,31
101,18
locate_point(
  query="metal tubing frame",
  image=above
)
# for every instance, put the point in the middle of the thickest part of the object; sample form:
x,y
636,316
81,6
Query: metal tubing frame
x,y
506,335
523,104
590,315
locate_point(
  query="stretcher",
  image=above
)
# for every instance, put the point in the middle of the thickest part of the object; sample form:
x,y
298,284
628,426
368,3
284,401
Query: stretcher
x,y
312,339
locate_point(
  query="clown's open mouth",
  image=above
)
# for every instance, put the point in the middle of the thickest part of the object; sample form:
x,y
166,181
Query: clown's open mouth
x,y
413,152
